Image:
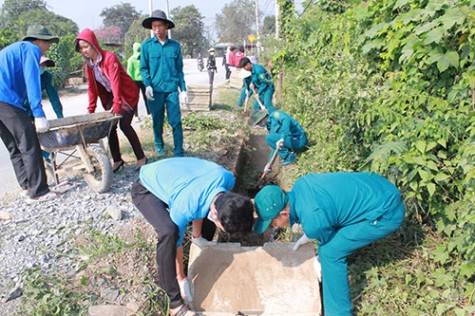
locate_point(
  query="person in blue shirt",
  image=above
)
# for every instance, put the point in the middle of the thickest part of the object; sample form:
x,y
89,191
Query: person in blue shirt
x,y
344,211
161,65
20,80
285,135
261,80
173,192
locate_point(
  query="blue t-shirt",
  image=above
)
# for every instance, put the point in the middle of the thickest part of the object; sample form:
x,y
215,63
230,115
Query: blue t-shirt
x,y
187,185
20,76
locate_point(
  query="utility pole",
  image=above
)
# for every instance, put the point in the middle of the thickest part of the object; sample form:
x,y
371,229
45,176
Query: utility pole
x,y
150,9
277,18
257,27
168,16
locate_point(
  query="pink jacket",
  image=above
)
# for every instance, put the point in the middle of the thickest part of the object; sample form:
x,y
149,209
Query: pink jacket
x,y
124,90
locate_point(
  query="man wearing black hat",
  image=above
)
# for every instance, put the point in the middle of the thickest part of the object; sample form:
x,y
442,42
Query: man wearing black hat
x,y
19,80
161,65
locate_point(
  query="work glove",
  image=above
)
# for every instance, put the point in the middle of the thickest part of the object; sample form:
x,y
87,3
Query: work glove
x,y
149,93
302,241
185,291
279,143
267,168
184,97
41,124
201,242
318,269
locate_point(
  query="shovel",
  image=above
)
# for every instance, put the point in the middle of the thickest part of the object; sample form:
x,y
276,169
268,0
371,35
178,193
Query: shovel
x,y
271,162
257,98
246,101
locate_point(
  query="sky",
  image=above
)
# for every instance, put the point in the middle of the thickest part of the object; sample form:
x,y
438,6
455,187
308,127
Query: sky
x,y
86,12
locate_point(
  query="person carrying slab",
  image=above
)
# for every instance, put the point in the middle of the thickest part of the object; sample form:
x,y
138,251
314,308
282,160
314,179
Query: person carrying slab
x,y
344,211
171,193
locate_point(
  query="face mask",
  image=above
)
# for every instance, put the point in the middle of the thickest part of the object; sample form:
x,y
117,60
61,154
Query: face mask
x,y
42,70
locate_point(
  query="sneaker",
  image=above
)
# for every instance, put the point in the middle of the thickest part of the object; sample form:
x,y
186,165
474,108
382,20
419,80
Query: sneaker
x,y
160,151
42,198
24,193
290,159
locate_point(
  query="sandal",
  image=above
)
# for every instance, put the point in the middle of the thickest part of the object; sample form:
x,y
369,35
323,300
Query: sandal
x,y
182,311
119,166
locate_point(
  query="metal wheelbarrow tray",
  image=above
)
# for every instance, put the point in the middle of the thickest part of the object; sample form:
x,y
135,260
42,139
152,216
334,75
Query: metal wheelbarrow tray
x,y
82,133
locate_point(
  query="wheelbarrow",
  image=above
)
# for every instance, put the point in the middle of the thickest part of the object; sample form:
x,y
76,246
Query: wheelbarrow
x,y
81,134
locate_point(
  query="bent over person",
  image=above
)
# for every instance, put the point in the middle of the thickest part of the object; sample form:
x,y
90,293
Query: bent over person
x,y
173,192
19,81
108,81
344,211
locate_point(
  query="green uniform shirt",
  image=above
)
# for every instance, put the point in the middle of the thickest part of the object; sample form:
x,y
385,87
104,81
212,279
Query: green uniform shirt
x,y
162,65
261,79
281,123
323,203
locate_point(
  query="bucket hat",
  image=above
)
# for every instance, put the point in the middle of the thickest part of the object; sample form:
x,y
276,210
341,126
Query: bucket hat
x,y
40,32
157,15
258,116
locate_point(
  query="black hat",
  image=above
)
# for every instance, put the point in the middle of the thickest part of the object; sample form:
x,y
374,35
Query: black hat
x,y
157,15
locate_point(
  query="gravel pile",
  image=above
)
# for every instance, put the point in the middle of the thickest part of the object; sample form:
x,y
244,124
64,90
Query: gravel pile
x,y
43,234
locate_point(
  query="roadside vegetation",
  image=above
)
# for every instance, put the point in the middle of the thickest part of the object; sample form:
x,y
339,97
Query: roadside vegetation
x,y
389,87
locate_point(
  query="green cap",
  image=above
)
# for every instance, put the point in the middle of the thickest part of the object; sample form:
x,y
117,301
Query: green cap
x,y
40,32
258,116
269,202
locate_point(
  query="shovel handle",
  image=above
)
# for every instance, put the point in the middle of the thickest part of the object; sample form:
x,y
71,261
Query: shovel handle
x,y
258,98
271,162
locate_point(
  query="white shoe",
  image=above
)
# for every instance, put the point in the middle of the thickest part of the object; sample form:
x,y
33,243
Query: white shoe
x,y
24,194
185,291
42,198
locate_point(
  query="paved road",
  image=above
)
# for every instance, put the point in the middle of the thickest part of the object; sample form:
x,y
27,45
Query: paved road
x,y
77,105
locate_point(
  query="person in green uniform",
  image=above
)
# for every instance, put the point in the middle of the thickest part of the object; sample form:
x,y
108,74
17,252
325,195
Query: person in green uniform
x,y
344,211
285,135
161,65
133,70
261,80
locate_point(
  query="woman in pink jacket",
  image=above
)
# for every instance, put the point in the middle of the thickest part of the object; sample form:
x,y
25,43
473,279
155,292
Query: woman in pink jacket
x,y
107,79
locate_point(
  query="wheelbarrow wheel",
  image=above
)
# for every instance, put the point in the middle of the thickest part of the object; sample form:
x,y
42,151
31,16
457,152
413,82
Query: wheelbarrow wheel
x,y
100,179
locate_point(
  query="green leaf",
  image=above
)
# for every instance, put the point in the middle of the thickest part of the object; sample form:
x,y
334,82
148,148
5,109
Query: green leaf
x,y
431,188
448,59
441,177
440,255
434,36
421,146
401,3
424,28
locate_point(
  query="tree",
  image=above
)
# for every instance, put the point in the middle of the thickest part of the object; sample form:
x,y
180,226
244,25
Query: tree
x,y
189,29
268,27
121,15
236,21
11,9
137,33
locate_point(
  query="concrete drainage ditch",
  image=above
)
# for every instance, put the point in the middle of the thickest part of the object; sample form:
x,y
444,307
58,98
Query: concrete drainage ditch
x,y
254,279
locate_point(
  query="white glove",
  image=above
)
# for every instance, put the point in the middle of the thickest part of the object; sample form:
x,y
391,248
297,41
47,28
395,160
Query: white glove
x,y
267,168
318,269
149,93
279,143
41,124
184,97
201,242
185,291
302,241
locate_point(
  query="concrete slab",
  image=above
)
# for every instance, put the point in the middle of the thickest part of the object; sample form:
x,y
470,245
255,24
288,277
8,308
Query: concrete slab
x,y
268,280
